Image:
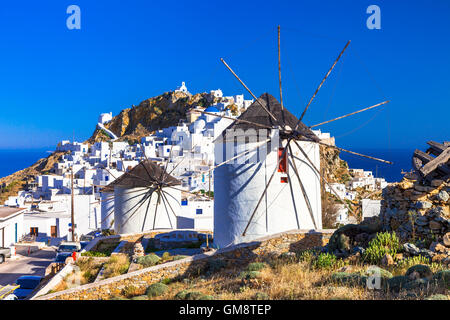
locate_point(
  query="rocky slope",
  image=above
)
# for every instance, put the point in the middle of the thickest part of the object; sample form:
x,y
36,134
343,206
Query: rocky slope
x,y
152,114
10,185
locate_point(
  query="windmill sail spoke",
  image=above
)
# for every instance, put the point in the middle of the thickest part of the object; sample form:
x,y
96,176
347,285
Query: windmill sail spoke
x,y
146,170
279,70
142,201
324,179
164,172
146,212
251,93
324,78
235,119
265,189
302,187
168,203
191,193
355,153
293,201
233,158
192,149
350,114
156,210
165,207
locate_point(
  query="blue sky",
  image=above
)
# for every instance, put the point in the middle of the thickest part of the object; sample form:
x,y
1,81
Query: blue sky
x,y
55,81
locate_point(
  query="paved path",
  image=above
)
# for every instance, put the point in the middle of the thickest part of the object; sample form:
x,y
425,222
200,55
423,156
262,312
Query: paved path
x,y
34,264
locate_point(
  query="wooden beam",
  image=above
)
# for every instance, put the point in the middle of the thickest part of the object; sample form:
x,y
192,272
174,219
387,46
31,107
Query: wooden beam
x,y
432,165
417,164
323,80
425,157
436,148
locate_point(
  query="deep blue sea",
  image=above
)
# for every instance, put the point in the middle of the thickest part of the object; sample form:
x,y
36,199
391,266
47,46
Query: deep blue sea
x,y
12,160
401,158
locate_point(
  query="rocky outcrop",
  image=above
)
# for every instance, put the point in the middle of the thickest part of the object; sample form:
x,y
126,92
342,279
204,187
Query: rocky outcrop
x,y
152,114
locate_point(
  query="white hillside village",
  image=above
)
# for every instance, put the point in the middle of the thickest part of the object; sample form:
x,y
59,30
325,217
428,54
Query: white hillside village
x,y
99,178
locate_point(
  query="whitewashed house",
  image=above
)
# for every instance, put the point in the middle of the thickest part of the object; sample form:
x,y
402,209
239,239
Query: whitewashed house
x,y
11,225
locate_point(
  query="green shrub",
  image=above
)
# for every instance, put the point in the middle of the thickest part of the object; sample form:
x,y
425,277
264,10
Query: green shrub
x,y
383,243
397,283
261,296
412,261
306,256
325,261
256,266
442,278
249,275
156,289
348,279
181,295
167,281
193,295
178,257
215,265
93,254
165,256
424,271
148,260
129,291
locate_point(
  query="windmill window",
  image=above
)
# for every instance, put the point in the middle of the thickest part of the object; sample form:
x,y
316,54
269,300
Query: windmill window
x,y
282,166
284,180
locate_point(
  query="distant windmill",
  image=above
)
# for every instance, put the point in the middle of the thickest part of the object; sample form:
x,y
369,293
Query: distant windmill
x,y
147,197
247,202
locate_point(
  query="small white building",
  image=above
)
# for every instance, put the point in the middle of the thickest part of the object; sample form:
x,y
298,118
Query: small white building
x,y
105,117
11,225
182,88
196,214
370,208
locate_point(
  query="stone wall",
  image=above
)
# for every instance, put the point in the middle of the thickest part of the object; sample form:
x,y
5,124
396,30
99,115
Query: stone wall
x,y
416,211
239,254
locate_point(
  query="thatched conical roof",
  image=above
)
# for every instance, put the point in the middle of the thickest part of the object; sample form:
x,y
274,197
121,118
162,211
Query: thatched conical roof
x,y
256,114
145,174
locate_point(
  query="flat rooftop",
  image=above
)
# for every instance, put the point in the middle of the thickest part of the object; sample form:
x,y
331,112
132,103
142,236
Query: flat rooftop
x,y
6,212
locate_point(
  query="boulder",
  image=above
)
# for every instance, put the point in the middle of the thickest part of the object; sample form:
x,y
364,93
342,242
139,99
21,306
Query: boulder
x,y
442,278
411,249
446,239
436,182
423,205
416,284
423,271
387,260
397,283
442,196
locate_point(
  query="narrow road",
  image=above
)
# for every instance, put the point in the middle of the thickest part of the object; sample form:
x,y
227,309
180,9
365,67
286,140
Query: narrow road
x,y
33,265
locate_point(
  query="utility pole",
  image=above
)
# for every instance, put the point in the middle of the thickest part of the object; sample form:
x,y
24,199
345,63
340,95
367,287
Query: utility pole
x,y
72,205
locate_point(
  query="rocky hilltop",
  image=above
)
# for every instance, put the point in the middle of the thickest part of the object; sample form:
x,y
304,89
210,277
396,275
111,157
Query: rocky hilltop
x,y
152,114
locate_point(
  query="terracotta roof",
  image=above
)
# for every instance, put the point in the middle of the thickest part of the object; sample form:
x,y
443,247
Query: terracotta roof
x,y
7,212
145,174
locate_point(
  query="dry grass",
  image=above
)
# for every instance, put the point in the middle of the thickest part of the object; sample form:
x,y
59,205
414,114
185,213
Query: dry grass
x,y
116,265
283,281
